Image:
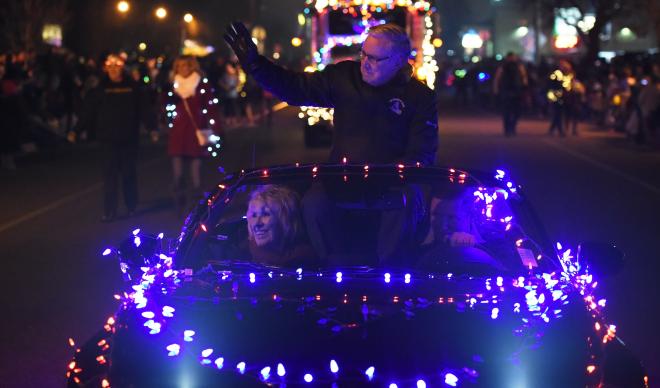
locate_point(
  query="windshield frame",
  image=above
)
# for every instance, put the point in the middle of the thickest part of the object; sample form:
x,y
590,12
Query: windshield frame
x,y
207,213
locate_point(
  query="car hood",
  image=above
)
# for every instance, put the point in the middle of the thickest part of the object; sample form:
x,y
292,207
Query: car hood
x,y
352,325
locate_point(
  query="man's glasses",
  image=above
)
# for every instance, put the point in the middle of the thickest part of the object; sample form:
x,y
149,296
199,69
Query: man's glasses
x,y
372,59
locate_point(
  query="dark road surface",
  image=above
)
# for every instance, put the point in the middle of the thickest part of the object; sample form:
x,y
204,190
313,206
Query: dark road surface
x,y
56,284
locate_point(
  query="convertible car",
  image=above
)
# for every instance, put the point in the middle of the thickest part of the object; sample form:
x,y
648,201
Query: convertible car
x,y
359,275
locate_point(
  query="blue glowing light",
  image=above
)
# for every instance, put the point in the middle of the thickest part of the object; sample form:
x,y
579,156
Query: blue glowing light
x,y
219,362
265,373
280,370
407,278
393,385
421,384
148,314
155,328
136,231
168,311
451,379
334,368
188,334
308,378
253,277
207,352
161,235
107,252
370,372
241,367
339,277
173,350
137,241
387,277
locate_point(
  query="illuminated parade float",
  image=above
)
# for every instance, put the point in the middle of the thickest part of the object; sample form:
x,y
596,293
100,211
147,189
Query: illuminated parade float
x,y
511,310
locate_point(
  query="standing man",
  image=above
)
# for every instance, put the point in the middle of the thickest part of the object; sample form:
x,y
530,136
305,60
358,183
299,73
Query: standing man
x,y
381,113
509,86
114,111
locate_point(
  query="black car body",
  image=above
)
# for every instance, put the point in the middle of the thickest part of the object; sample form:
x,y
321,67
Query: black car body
x,y
512,310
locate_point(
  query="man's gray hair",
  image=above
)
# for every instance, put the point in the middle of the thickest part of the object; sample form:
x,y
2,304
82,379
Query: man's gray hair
x,y
395,35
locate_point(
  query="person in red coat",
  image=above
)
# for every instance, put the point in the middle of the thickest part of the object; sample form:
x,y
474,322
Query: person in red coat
x,y
190,108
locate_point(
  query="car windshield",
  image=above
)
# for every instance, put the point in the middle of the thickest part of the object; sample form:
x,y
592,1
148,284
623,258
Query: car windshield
x,y
444,225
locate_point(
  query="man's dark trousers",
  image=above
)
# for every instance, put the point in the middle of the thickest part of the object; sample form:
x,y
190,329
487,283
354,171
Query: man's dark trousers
x,y
120,160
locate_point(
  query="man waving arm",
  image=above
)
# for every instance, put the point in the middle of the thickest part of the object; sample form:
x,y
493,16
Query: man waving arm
x,y
293,87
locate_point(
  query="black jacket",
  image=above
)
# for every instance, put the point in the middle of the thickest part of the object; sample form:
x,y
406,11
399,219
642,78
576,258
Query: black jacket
x,y
395,122
114,110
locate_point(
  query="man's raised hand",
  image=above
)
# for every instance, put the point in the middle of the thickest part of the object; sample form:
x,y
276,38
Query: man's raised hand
x,y
238,37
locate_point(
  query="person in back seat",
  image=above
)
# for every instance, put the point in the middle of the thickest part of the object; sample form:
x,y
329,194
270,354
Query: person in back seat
x,y
453,240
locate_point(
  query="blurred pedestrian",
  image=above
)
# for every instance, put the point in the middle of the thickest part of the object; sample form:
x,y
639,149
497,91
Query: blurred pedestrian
x,y
190,106
11,114
509,88
561,81
574,104
114,111
229,87
646,103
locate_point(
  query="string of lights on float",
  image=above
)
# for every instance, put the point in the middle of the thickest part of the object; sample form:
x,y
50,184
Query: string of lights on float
x,y
537,298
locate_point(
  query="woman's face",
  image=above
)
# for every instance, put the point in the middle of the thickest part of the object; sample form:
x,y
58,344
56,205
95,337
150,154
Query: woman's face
x,y
184,69
263,223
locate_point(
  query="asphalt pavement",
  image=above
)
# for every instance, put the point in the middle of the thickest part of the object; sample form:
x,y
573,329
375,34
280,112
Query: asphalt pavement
x,y
596,186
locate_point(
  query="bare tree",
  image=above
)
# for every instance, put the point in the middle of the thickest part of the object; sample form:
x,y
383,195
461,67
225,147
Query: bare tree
x,y
21,21
604,11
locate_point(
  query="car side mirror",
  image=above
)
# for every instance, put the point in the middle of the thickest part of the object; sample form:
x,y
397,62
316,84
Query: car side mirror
x,y
603,259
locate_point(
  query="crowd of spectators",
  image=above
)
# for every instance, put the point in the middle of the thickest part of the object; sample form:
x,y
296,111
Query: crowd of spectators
x,y
621,95
42,93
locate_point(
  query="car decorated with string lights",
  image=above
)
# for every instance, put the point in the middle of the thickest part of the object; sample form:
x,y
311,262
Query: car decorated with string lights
x,y
402,276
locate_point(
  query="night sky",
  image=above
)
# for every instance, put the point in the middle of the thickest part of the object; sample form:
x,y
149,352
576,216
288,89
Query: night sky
x,y
96,26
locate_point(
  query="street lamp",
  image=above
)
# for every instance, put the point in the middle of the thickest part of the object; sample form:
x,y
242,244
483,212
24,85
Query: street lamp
x,y
161,13
123,6
188,18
